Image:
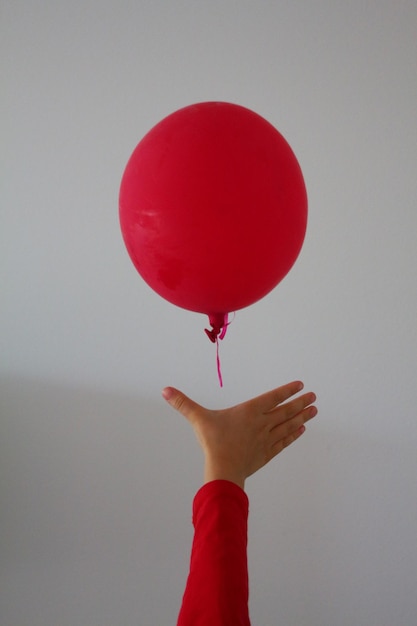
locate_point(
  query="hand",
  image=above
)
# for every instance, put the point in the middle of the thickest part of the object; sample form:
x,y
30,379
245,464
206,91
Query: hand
x,y
240,440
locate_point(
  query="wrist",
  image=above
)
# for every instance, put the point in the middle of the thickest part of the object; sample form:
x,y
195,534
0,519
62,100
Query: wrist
x,y
222,471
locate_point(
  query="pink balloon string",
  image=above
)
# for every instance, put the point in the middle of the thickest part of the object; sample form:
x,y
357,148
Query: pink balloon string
x,y
219,324
219,370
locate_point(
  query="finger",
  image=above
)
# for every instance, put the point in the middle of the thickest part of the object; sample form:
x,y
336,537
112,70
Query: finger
x,y
286,430
181,403
278,446
287,411
269,400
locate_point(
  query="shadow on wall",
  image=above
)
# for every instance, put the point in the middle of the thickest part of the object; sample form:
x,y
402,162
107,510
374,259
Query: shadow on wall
x,y
95,492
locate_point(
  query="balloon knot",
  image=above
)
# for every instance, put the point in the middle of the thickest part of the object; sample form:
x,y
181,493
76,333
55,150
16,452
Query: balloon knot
x,y
219,324
212,334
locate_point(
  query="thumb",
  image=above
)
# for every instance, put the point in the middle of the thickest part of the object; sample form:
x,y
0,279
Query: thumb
x,y
181,403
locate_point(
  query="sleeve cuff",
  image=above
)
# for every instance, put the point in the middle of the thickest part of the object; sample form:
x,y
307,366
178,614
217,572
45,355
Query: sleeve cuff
x,y
221,489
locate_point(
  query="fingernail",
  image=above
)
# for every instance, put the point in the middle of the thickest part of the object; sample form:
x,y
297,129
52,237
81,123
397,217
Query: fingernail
x,y
301,430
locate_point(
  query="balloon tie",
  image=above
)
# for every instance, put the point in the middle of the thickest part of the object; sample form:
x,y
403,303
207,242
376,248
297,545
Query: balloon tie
x,y
219,324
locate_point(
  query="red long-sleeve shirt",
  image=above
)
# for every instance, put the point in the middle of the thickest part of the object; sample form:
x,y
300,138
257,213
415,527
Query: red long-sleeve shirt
x,y
217,588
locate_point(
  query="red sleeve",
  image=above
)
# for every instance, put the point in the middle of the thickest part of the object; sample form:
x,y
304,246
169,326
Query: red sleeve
x,y
217,587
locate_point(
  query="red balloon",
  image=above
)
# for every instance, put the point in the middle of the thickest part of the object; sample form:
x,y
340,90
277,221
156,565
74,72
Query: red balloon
x,y
213,208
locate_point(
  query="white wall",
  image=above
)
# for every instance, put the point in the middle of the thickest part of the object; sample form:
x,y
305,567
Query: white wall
x,y
97,473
